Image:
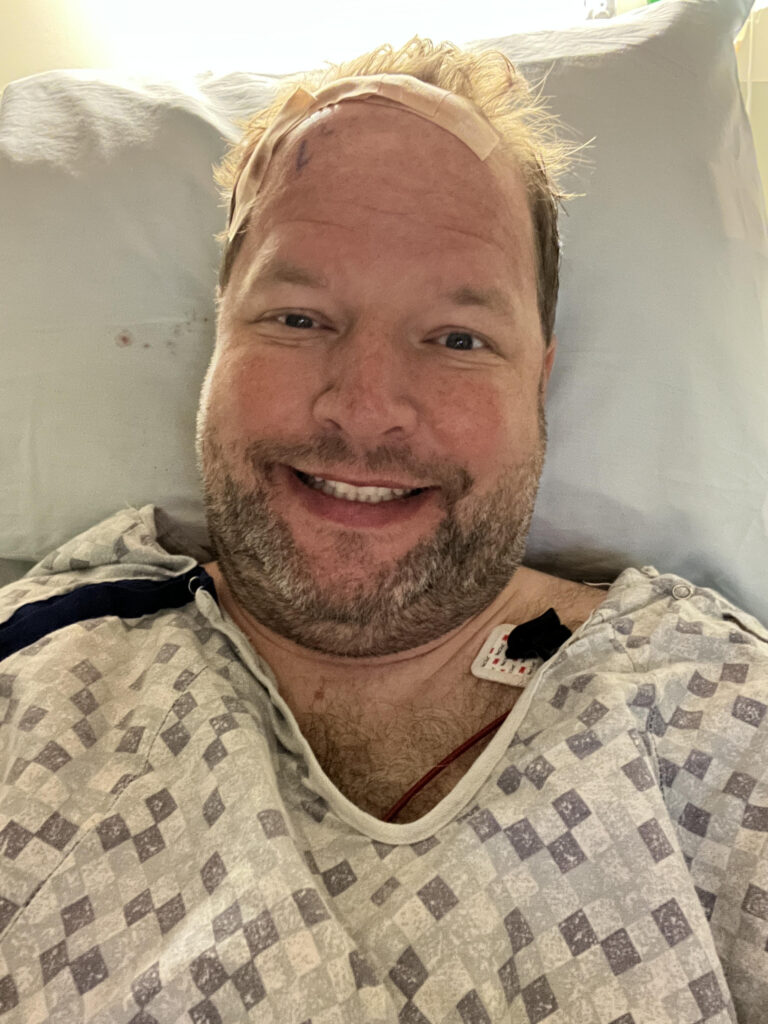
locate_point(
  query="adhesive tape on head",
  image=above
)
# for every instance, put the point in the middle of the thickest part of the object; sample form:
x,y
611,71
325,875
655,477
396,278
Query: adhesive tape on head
x,y
453,113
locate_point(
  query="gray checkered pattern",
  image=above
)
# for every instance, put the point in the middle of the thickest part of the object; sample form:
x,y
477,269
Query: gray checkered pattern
x,y
168,854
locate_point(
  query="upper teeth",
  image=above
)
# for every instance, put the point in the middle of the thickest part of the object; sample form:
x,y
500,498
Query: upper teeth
x,y
336,489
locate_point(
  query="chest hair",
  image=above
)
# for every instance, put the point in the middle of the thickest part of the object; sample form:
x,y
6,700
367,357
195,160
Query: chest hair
x,y
373,760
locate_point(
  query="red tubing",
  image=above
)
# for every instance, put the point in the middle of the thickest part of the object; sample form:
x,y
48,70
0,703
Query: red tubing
x,y
393,811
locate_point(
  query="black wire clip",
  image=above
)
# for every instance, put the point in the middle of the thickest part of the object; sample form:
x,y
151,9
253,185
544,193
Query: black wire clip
x,y
539,638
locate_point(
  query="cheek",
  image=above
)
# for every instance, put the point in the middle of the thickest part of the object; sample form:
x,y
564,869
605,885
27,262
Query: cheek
x,y
256,396
485,427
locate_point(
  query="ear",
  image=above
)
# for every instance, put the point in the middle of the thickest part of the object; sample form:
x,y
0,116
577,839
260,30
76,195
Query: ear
x,y
549,362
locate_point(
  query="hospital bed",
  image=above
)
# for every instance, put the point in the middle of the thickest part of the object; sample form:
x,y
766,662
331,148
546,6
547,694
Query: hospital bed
x,y
658,403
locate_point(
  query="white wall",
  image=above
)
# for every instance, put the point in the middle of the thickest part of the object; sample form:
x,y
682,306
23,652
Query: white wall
x,y
40,35
752,53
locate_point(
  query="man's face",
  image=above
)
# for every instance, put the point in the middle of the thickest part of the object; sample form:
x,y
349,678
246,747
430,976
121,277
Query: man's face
x,y
380,373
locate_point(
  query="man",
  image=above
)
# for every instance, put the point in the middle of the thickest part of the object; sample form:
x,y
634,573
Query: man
x,y
213,808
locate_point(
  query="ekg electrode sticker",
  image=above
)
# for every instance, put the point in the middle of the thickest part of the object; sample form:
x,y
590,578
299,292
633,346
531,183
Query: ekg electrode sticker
x,y
492,662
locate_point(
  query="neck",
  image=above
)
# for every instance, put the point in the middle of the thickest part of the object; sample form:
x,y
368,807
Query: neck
x,y
427,676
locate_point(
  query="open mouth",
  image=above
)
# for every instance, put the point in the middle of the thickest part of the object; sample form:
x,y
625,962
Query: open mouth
x,y
348,492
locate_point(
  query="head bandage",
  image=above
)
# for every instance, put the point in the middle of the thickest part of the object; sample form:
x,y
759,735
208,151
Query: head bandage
x,y
453,113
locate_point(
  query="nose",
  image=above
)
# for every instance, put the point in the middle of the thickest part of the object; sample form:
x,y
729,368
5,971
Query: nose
x,y
367,389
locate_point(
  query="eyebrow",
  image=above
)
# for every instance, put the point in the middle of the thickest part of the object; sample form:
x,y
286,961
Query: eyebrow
x,y
282,272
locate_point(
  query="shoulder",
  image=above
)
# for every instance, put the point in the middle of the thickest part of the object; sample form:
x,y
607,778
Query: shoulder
x,y
578,601
573,602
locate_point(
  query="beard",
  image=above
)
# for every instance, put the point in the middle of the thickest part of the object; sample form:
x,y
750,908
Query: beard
x,y
443,581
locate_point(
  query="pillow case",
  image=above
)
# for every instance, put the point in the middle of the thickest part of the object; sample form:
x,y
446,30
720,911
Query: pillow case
x,y
658,433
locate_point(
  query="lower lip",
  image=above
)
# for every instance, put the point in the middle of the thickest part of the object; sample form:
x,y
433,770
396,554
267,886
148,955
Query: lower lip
x,y
355,513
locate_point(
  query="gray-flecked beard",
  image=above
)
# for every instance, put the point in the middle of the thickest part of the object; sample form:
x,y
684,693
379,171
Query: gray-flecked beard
x,y
436,586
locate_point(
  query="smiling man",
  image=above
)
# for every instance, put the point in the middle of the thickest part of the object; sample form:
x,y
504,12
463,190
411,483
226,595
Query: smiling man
x,y
356,762
377,386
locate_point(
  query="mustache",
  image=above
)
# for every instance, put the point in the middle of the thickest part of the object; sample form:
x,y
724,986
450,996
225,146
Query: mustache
x,y
329,454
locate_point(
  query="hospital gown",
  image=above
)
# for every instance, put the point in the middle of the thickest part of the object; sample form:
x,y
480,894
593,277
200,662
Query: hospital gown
x,y
170,849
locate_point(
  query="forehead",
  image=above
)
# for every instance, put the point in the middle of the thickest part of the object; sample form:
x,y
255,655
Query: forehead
x,y
378,159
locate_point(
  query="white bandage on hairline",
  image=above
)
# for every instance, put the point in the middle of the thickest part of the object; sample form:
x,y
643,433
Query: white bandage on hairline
x,y
453,113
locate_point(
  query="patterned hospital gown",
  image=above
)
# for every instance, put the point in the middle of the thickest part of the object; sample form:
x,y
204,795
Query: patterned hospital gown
x,y
171,851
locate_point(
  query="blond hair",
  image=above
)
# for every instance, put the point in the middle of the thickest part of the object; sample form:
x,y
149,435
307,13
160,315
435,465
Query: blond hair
x,y
529,136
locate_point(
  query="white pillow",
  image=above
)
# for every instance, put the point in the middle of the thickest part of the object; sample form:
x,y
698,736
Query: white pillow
x,y
658,429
